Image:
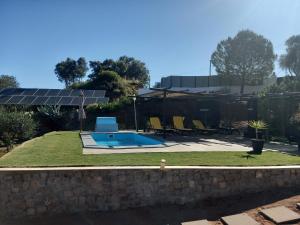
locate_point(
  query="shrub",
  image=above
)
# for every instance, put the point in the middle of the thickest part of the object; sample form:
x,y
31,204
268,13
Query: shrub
x,y
15,126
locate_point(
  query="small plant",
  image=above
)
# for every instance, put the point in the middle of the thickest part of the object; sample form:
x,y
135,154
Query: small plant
x,y
258,125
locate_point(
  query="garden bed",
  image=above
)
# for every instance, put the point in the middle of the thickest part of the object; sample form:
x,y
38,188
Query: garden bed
x,y
65,149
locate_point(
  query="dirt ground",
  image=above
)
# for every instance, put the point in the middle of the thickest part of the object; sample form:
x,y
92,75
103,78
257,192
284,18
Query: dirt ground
x,y
210,209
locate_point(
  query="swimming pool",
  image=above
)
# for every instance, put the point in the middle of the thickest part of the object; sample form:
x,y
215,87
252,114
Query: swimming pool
x,y
124,140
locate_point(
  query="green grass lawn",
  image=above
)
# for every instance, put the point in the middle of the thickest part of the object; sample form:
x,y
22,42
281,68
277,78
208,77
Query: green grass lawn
x,y
65,149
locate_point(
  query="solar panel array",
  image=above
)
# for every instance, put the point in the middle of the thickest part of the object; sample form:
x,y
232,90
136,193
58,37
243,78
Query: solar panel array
x,y
33,96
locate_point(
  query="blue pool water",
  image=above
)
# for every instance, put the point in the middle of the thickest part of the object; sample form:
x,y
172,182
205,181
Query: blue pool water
x,y
124,140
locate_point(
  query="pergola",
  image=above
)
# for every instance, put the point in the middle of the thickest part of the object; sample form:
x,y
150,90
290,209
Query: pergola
x,y
193,95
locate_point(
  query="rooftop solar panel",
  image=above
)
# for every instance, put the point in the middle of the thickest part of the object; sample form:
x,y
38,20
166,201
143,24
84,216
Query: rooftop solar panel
x,y
15,99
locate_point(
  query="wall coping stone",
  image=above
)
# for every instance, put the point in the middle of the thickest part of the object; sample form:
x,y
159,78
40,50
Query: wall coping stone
x,y
8,169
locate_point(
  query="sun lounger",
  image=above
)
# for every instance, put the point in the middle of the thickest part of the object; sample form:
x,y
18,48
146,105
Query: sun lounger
x,y
155,125
179,125
200,127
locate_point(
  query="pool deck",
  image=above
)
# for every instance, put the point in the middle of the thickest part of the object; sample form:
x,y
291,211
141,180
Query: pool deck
x,y
188,143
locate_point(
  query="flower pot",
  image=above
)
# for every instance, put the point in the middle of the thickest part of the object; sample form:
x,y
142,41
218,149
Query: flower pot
x,y
257,145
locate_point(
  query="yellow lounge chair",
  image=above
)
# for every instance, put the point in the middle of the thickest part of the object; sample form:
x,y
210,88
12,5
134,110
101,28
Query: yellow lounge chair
x,y
155,125
200,126
178,124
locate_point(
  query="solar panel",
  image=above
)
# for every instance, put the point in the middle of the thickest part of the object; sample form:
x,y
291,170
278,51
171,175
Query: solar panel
x,y
15,99
65,93
75,93
90,101
75,101
10,91
30,91
4,98
34,96
53,100
65,101
27,100
53,92
88,93
41,92
40,101
1,89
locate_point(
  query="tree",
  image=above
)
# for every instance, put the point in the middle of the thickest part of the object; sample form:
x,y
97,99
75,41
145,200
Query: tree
x,y
291,60
127,67
247,59
110,81
7,81
71,71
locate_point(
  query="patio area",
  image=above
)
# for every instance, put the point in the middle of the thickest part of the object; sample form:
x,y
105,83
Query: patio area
x,y
198,143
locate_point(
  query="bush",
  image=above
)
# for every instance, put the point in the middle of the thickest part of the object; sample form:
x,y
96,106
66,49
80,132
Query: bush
x,y
53,118
15,126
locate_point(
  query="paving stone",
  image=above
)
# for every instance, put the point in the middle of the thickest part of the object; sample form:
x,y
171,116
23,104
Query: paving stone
x,y
281,214
197,222
239,219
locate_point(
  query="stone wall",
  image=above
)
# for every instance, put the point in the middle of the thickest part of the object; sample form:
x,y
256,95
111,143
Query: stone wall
x,y
52,191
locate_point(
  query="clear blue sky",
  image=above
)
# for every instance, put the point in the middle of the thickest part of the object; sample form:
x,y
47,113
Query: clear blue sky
x,y
170,36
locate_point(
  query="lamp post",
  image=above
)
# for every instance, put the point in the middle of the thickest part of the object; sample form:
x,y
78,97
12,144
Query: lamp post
x,y
134,108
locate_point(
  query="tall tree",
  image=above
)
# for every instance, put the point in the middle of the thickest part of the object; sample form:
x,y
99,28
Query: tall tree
x,y
70,71
127,67
291,60
247,58
7,81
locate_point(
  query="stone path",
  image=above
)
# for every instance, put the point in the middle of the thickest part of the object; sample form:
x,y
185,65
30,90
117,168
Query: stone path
x,y
239,219
281,214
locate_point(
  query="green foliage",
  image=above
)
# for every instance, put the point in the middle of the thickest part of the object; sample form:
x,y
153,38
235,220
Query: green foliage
x,y
15,126
258,125
52,118
128,68
7,81
71,71
291,60
246,58
110,81
110,106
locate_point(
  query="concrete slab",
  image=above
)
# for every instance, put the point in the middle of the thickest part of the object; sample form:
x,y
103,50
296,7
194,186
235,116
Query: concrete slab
x,y
197,222
281,214
239,219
